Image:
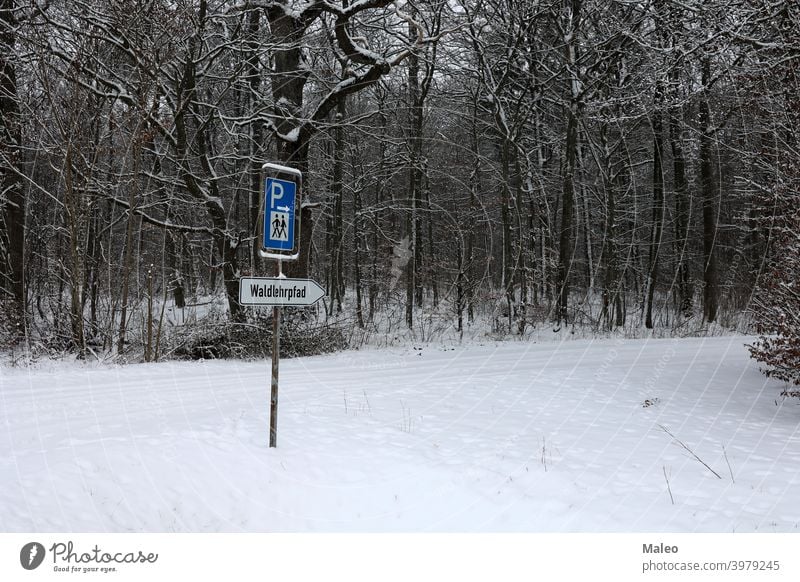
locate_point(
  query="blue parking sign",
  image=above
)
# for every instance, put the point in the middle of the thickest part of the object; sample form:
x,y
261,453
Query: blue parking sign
x,y
279,214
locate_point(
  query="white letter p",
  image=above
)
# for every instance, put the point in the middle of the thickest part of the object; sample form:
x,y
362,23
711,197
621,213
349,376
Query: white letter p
x,y
277,192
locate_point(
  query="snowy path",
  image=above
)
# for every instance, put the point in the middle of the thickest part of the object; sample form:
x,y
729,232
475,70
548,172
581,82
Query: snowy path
x,y
501,437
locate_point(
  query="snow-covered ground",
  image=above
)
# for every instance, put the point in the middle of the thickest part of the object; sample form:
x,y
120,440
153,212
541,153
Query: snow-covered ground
x,y
580,436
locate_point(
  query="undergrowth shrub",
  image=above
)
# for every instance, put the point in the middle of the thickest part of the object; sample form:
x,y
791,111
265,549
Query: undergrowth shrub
x,y
251,338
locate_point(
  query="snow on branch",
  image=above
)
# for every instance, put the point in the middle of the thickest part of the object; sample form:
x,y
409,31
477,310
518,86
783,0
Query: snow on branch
x,y
168,224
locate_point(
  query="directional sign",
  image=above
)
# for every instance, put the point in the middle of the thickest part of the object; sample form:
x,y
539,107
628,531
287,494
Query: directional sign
x,y
280,220
279,291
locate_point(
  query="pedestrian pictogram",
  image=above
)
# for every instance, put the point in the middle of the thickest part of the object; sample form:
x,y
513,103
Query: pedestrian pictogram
x,y
279,224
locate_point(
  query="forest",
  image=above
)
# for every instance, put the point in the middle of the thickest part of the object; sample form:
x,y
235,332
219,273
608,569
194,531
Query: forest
x,y
613,166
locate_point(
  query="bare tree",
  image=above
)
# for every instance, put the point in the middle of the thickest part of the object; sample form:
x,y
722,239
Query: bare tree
x,y
12,189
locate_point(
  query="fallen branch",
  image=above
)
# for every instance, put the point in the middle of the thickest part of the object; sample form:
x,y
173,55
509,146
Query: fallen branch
x,y
690,451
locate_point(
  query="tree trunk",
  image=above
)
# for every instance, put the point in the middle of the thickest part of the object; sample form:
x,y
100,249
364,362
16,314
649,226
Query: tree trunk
x,y
507,269
288,80
75,218
413,278
431,272
256,137
336,250
377,220
568,231
127,263
586,224
682,214
13,199
357,235
612,312
709,190
658,204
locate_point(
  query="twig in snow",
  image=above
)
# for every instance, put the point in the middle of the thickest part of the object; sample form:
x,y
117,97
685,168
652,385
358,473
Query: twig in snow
x,y
369,408
690,451
544,453
725,454
671,498
407,422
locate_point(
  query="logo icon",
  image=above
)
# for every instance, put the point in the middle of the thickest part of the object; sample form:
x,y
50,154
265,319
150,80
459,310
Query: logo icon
x,y
32,555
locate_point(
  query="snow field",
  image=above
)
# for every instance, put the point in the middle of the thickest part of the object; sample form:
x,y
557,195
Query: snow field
x,y
581,436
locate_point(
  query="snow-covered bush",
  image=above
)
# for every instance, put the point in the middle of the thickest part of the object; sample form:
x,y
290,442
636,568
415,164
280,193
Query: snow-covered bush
x,y
776,301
